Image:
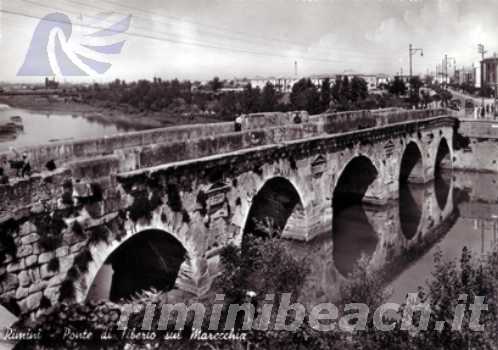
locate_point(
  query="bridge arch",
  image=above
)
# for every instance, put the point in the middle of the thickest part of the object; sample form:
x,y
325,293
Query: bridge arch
x,y
150,259
278,204
352,233
412,164
355,178
170,247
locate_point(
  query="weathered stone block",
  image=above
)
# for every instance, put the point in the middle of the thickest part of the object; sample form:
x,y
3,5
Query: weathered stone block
x,y
61,251
11,282
46,257
24,250
36,287
31,238
56,280
33,301
24,279
31,260
34,274
22,293
16,266
65,263
27,228
52,293
45,273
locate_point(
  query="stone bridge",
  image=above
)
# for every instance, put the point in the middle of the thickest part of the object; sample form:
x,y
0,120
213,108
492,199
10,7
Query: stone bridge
x,y
143,209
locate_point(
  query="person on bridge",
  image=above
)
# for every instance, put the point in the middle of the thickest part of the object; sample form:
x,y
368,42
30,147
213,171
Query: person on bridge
x,y
26,168
238,123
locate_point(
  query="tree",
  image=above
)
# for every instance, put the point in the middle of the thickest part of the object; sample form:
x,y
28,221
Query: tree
x,y
426,98
359,89
416,83
250,99
269,98
325,94
346,88
428,80
397,87
305,96
215,84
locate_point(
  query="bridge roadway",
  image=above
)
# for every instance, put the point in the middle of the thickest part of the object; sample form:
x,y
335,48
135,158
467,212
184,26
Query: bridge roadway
x,y
201,186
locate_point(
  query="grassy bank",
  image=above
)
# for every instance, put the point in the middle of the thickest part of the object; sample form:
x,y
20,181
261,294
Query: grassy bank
x,y
104,115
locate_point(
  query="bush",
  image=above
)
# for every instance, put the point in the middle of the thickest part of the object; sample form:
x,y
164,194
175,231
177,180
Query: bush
x,y
267,267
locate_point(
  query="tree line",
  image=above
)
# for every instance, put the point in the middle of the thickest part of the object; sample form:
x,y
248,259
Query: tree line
x,y
226,100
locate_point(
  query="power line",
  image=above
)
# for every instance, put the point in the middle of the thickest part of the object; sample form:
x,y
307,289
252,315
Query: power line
x,y
216,46
224,32
175,41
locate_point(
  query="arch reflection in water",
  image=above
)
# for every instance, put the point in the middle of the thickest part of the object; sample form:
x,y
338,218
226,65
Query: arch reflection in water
x,y
273,205
442,174
352,233
411,198
150,259
411,195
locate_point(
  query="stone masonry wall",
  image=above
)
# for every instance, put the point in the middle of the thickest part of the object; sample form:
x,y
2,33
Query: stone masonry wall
x,y
57,228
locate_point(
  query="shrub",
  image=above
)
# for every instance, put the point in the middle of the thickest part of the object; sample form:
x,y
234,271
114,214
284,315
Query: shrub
x,y
98,234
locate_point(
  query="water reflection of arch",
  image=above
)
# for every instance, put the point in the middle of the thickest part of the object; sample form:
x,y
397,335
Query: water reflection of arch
x,y
411,189
103,250
394,252
388,223
443,165
352,233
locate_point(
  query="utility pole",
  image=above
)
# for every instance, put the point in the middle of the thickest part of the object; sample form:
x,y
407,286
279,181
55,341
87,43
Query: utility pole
x,y
411,52
482,51
445,68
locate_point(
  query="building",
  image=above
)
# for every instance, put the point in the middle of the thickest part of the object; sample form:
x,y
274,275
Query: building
x,y
285,84
489,72
281,84
466,75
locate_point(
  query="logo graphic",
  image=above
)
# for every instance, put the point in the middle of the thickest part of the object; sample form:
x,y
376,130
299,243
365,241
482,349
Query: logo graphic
x,y
56,50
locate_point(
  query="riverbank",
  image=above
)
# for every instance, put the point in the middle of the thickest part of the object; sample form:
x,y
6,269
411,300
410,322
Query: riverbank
x,y
106,116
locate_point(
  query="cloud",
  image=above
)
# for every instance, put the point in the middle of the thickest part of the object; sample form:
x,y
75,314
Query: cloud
x,y
359,35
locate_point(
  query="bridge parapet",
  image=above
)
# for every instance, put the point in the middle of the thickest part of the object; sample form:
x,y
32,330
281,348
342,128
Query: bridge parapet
x,y
295,138
282,125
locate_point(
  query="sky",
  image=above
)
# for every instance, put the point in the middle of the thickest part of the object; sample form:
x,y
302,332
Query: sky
x,y
199,39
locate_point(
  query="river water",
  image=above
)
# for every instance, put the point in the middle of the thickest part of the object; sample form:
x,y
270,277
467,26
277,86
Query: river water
x,y
46,127
459,210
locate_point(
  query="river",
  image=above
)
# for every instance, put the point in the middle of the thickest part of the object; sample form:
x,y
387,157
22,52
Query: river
x,y
402,238
46,127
